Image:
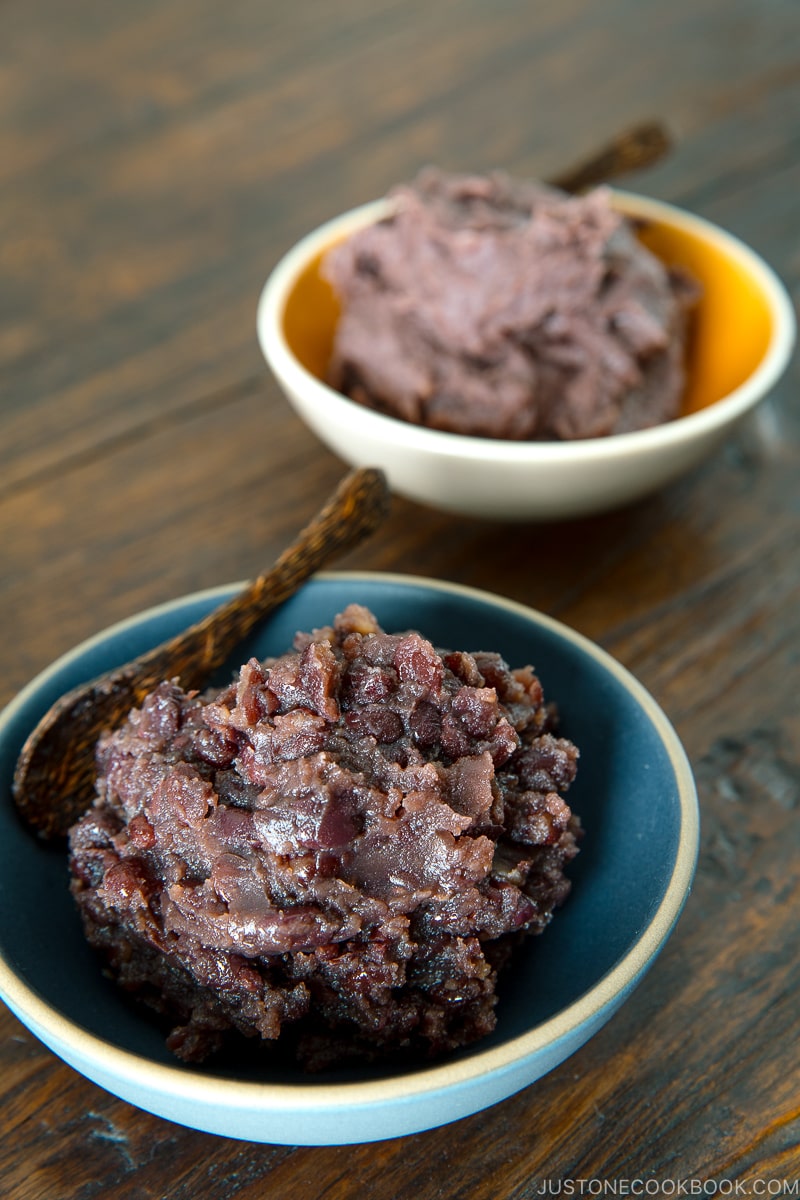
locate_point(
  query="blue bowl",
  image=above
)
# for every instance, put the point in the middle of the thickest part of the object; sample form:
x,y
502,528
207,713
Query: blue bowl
x,y
636,799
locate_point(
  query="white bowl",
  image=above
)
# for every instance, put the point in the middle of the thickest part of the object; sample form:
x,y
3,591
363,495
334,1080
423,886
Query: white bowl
x,y
637,802
743,337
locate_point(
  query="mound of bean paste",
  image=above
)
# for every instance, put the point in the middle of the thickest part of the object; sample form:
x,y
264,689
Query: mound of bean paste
x,y
340,848
501,308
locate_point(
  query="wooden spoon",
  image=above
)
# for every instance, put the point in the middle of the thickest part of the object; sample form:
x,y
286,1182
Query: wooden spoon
x,y
637,147
55,773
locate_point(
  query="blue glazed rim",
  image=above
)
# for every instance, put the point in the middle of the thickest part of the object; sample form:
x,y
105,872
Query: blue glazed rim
x,y
641,759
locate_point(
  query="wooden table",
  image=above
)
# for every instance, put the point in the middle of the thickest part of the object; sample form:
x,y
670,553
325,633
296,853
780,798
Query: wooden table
x,y
156,158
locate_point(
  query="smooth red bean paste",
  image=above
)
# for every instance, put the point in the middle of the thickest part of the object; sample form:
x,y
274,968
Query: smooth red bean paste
x,y
343,845
502,308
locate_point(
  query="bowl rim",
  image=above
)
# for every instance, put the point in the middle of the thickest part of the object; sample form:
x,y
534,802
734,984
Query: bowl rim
x,y
268,1096
444,445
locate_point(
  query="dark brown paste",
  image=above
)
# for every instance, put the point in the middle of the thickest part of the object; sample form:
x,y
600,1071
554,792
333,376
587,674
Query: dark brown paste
x,y
344,844
505,309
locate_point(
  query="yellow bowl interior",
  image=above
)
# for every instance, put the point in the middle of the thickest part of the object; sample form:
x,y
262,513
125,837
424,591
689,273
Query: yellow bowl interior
x,y
732,324
731,328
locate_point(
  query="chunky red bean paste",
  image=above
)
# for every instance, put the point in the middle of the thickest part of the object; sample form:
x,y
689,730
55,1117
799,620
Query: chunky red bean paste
x,y
506,309
343,845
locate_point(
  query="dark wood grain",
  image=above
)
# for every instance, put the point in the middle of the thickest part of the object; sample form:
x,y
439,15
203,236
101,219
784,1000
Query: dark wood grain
x,y
155,160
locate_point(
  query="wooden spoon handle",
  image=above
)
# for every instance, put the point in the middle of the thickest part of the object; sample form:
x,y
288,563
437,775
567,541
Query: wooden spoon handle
x,y
357,507
55,771
638,147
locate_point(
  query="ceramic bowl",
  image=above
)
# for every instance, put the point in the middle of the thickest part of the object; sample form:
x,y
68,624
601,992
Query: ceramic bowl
x,y
743,335
636,799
